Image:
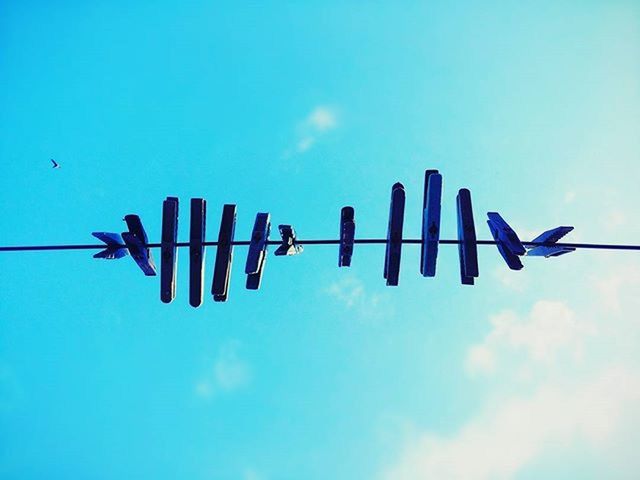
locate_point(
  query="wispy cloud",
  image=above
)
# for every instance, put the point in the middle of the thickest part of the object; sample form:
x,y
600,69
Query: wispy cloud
x,y
252,474
351,292
614,219
228,373
549,329
511,432
514,280
611,287
322,118
318,122
569,196
558,377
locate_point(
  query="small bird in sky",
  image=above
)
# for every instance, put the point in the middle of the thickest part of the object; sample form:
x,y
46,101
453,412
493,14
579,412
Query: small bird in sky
x,y
55,164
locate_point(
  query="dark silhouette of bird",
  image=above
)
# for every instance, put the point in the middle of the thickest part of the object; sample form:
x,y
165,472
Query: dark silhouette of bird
x,y
55,164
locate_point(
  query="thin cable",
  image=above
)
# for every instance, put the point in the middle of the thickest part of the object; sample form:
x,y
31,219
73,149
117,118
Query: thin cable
x,y
414,241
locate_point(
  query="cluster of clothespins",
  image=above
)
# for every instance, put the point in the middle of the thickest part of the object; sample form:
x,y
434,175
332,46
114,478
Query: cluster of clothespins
x,y
135,242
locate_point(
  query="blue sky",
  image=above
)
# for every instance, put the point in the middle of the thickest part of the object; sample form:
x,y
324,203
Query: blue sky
x,y
298,110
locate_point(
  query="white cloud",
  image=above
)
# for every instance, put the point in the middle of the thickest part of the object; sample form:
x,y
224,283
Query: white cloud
x,y
611,287
481,359
348,290
228,373
514,280
322,119
511,432
569,196
550,329
559,380
317,123
351,293
251,474
305,144
614,219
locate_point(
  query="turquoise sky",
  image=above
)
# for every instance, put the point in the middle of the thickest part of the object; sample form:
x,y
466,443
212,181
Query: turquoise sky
x,y
300,108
